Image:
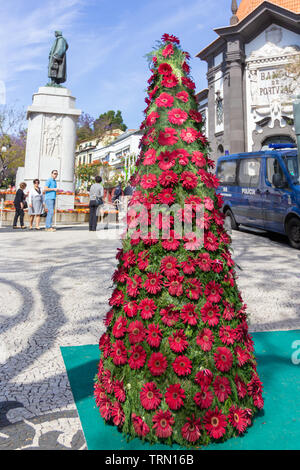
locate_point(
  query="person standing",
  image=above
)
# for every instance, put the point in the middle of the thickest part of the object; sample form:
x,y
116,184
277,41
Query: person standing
x,y
20,203
96,195
36,204
50,198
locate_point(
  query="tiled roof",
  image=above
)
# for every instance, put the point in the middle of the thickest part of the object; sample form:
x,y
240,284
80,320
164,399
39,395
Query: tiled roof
x,y
247,6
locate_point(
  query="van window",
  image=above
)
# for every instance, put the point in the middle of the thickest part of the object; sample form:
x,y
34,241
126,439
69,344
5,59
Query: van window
x,y
273,167
248,174
227,172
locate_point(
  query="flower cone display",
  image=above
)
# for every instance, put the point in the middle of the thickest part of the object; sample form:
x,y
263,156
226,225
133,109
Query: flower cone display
x,y
177,362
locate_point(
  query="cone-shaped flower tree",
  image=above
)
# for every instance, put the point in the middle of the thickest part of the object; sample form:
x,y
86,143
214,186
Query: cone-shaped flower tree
x,y
177,361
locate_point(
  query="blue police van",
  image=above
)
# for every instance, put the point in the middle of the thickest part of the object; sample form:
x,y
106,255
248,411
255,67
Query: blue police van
x,y
262,190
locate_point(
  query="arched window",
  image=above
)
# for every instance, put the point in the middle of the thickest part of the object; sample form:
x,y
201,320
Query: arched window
x,y
276,139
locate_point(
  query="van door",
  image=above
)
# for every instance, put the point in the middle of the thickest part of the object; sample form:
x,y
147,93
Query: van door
x,y
250,210
276,201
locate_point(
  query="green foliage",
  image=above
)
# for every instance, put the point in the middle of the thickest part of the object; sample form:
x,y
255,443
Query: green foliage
x,y
87,172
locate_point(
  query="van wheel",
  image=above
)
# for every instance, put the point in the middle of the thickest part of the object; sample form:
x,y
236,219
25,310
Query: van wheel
x,y
229,215
293,232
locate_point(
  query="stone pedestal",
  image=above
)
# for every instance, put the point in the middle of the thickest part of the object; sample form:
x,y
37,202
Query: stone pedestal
x,y
51,138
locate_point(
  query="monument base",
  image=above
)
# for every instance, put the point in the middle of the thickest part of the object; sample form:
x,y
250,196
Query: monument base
x,y
51,138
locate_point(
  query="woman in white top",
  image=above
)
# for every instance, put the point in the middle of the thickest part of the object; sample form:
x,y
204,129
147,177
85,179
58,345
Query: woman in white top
x,y
36,204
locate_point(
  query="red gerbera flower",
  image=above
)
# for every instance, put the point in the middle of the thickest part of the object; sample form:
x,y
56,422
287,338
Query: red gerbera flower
x,y
133,285
153,283
204,398
165,69
189,315
223,359
137,357
211,242
105,409
204,262
182,365
119,391
169,81
177,116
240,387
129,259
242,355
117,298
195,115
238,418
117,414
168,50
157,364
168,178
189,180
178,341
203,378
150,396
149,181
215,423
140,427
163,421
168,136
130,308
107,380
210,313
147,308
136,332
213,291
169,266
182,155
149,157
119,328
174,396
152,118
222,388
182,96
166,196
198,158
169,315
169,37
171,243
189,135
175,286
153,335
188,267
191,241
143,260
191,431
227,335
119,353
164,100
188,83
194,289
99,394
166,160
205,339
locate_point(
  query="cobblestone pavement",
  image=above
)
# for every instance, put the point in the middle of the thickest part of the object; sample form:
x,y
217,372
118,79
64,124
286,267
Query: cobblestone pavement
x,y
54,289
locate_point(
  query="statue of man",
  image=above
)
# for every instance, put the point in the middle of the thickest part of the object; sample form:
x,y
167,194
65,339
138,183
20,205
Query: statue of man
x,y
57,69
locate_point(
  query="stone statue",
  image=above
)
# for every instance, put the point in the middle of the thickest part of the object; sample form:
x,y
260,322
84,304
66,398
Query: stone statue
x,y
57,69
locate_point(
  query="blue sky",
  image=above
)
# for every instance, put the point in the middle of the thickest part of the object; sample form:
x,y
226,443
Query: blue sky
x,y
107,43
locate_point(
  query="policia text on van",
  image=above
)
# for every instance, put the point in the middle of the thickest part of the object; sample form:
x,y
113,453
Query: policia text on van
x,y
262,190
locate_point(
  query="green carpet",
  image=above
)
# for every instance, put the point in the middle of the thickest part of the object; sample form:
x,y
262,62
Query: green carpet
x,y
277,427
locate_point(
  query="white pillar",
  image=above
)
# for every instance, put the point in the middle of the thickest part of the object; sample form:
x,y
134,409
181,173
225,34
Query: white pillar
x,y
51,137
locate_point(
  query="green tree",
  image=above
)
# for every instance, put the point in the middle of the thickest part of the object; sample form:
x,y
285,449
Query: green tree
x,y
109,121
